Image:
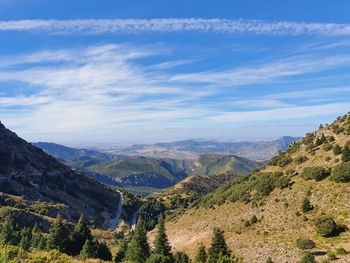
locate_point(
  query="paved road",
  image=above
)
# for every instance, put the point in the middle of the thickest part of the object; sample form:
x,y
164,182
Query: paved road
x,y
115,221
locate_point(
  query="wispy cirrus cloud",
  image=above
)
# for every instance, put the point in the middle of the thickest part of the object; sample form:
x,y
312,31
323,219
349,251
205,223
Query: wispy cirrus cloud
x,y
133,26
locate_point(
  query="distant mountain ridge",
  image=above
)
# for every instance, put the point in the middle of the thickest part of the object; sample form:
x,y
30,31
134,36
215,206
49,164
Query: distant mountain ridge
x,y
192,149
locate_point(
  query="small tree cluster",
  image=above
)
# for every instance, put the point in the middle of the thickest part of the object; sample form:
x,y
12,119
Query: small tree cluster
x,y
305,244
10,234
341,173
314,173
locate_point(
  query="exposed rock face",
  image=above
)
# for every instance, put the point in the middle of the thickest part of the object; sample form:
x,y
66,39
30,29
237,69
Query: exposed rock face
x,y
26,171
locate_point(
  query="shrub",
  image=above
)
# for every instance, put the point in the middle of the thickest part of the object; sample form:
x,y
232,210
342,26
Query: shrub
x,y
306,205
341,251
253,220
325,226
281,160
315,173
283,182
327,147
308,258
300,159
327,159
266,183
320,140
331,255
305,244
331,139
346,154
337,149
341,173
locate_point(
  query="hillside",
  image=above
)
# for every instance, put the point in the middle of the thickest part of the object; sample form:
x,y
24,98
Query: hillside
x,y
35,187
214,164
265,212
141,172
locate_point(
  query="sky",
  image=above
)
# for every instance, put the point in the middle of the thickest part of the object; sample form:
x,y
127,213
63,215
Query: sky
x,y
126,71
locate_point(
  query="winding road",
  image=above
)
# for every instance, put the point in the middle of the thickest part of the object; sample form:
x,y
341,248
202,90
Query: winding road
x,y
113,223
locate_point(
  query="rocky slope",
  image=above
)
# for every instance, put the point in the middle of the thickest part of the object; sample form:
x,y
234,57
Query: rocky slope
x,y
274,197
35,185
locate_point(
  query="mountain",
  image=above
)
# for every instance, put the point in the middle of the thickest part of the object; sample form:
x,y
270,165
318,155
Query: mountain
x,y
77,158
192,149
214,164
35,187
143,172
301,194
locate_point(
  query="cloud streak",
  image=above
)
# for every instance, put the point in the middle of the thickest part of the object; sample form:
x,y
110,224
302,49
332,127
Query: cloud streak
x,y
169,25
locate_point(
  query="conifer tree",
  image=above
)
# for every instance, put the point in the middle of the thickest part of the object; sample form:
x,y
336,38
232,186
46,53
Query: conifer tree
x,y
8,235
201,256
80,234
181,257
218,246
58,236
26,237
103,252
138,250
123,247
161,242
88,250
306,205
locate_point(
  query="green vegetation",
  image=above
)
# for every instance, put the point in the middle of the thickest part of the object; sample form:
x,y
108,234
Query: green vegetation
x,y
306,205
337,149
314,173
346,154
150,212
281,160
138,248
308,258
325,226
201,255
305,244
341,173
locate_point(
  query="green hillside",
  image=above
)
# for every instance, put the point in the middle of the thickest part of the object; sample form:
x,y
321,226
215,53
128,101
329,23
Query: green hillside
x,y
301,195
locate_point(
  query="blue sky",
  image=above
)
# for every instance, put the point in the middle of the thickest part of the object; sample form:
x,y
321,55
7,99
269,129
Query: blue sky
x,y
80,72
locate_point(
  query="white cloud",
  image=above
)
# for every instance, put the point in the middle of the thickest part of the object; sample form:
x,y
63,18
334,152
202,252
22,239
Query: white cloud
x,y
122,26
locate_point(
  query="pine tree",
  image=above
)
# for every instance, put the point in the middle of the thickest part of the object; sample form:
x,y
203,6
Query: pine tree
x,y
8,235
181,257
80,234
42,242
88,250
306,205
58,236
201,256
26,237
123,247
138,250
161,242
218,246
103,252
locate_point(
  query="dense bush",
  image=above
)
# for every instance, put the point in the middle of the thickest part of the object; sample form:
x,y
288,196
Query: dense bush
x,y
283,182
315,173
308,258
327,147
281,160
305,244
325,226
266,183
337,149
150,213
341,173
346,154
300,159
